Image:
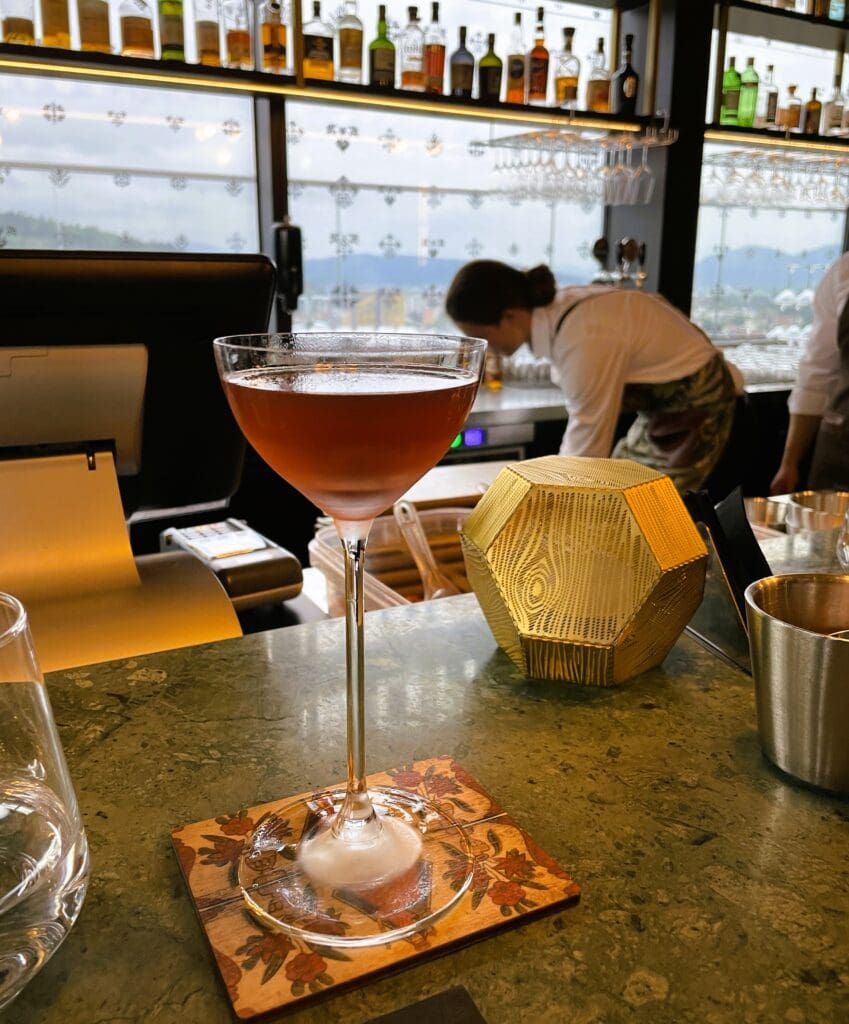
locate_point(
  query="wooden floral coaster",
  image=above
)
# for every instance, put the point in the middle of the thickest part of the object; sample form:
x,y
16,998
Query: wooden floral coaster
x,y
264,970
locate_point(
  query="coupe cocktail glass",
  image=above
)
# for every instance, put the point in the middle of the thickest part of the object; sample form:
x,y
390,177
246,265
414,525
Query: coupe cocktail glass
x,y
352,421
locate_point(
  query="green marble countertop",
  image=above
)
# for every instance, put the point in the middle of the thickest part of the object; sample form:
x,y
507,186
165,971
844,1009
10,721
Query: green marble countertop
x,y
713,890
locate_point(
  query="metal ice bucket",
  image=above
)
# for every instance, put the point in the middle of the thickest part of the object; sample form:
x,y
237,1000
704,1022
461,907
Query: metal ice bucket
x,y
802,674
816,510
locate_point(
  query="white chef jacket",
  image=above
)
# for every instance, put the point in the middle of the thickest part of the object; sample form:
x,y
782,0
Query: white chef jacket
x,y
613,338
820,363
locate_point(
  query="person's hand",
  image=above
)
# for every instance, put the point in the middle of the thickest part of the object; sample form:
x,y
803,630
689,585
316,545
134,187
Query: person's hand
x,y
785,481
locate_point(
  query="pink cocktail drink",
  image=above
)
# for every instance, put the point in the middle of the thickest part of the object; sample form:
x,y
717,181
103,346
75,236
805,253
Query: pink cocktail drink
x,y
352,439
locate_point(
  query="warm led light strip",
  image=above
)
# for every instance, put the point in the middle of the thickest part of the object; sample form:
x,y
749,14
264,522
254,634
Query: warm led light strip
x,y
327,96
779,142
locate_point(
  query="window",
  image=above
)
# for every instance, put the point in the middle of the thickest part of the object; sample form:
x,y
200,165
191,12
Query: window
x,y
92,166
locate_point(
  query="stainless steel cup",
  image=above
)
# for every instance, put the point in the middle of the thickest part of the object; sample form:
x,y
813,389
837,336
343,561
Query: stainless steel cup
x,y
802,674
816,510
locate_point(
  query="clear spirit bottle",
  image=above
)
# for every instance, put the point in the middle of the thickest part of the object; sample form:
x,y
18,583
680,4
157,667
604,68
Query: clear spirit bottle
x,y
381,55
350,36
538,61
412,53
434,54
598,86
768,100
567,73
318,47
832,110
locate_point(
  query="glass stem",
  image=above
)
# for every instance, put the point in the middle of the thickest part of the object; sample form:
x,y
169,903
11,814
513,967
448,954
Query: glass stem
x,y
356,822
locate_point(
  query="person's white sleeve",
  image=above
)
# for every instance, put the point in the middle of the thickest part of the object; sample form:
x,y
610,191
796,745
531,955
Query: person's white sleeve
x,y
820,363
592,369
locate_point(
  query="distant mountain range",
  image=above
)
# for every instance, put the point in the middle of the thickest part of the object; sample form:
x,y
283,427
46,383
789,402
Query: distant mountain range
x,y
752,267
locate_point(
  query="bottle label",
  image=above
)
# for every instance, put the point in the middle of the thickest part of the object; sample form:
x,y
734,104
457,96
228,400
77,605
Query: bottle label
x,y
598,95
834,118
137,33
516,69
317,48
629,87
462,77
771,107
94,16
731,99
490,83
350,48
434,67
171,28
538,76
382,66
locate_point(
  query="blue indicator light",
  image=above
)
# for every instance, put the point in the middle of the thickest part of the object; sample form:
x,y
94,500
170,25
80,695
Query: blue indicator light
x,y
474,437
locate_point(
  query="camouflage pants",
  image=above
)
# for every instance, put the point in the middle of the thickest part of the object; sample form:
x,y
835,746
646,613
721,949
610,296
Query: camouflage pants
x,y
682,426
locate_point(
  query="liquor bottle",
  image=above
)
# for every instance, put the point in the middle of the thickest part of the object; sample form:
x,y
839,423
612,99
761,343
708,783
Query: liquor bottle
x,y
238,51
517,65
598,86
731,82
412,53
434,54
790,111
768,100
136,29
832,110
626,81
350,53
381,55
93,18
490,71
813,115
749,82
462,69
538,60
318,47
566,73
55,29
272,37
171,45
207,33
18,24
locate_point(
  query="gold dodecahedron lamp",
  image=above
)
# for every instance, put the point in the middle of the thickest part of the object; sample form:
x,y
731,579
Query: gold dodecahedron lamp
x,y
587,570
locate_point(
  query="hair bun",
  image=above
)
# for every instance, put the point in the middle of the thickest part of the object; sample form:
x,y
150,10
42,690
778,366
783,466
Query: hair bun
x,y
541,285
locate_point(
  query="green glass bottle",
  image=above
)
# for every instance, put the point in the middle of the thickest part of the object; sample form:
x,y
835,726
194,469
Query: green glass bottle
x,y
731,82
171,30
381,55
490,70
749,83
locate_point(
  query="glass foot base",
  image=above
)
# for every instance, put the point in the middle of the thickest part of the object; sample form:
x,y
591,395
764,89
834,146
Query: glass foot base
x,y
297,877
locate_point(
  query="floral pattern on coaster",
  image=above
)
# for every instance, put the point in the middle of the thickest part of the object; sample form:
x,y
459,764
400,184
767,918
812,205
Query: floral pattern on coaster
x,y
262,970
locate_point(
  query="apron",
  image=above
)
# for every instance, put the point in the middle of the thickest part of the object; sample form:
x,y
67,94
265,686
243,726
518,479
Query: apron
x,y
830,465
681,426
